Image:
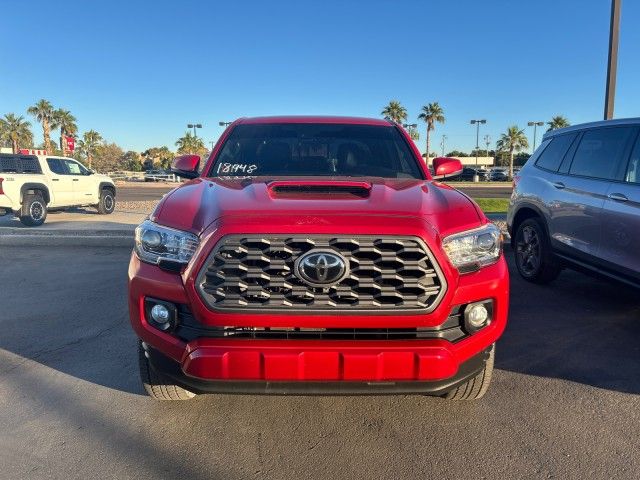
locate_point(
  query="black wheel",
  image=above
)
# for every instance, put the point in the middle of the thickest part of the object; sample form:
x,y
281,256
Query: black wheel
x,y
34,210
475,388
107,202
155,384
534,259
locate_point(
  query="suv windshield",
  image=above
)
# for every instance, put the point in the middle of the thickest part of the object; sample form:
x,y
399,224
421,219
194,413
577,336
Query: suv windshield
x,y
315,150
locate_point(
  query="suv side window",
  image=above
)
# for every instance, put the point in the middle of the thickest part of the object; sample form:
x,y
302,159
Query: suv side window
x,y
56,166
600,152
633,169
551,157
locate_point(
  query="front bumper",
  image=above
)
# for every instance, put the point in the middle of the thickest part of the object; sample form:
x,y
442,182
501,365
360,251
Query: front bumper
x,y
306,364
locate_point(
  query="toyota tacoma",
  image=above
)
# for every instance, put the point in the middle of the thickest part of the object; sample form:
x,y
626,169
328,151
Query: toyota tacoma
x,y
314,255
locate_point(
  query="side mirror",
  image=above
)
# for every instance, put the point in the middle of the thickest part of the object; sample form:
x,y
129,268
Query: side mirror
x,y
446,167
186,166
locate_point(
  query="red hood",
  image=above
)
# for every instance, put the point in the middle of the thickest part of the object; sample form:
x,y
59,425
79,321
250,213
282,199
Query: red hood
x,y
198,203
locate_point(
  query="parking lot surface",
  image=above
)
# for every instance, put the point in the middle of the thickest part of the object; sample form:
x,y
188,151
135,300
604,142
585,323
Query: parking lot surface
x,y
564,403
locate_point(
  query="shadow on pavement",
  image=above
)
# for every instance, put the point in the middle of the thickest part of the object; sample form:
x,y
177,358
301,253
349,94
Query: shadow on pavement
x,y
578,328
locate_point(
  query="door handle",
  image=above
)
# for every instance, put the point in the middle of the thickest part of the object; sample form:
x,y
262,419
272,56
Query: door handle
x,y
618,197
55,179
558,185
75,179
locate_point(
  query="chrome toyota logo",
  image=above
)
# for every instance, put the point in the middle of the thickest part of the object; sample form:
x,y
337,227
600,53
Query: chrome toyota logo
x,y
320,268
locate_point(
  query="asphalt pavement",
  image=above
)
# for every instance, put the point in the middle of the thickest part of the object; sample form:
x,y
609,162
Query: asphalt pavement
x,y
564,403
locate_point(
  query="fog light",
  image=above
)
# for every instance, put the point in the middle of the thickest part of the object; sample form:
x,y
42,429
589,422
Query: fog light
x,y
160,314
477,315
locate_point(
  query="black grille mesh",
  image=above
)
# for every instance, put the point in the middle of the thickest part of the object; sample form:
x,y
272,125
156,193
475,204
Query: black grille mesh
x,y
245,272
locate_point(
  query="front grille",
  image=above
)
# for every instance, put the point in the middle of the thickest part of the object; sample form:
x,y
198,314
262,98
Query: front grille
x,y
258,272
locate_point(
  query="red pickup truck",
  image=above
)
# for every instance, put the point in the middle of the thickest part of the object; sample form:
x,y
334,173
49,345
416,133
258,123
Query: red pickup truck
x,y
317,255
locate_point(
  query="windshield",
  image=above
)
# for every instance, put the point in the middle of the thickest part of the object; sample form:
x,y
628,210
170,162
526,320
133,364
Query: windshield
x,y
315,150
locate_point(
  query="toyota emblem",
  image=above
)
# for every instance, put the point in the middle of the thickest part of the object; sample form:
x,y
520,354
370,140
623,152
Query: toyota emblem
x,y
320,268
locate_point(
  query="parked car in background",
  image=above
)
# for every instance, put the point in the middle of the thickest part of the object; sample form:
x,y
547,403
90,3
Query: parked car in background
x,y
468,173
315,255
32,185
576,203
499,174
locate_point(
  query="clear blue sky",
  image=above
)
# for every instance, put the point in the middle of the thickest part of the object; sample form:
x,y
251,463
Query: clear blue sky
x,y
138,72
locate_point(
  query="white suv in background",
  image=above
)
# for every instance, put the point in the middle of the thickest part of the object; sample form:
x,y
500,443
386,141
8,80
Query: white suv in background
x,y
30,185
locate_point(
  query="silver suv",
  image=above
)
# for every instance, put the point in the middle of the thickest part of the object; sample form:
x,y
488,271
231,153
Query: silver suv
x,y
576,203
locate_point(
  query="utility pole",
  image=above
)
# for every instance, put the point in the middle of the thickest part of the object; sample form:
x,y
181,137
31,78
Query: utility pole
x,y
444,138
612,64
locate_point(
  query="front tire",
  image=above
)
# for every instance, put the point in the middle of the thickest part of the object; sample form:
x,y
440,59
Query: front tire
x,y
34,210
475,388
107,202
157,385
534,259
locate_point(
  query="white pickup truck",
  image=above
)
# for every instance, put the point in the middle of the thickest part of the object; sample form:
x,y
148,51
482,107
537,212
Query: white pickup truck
x,y
31,185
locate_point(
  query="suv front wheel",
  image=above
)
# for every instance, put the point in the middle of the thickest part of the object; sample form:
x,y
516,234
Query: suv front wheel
x,y
157,385
107,202
534,259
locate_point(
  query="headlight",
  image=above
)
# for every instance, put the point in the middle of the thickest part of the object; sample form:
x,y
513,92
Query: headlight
x,y
469,251
155,242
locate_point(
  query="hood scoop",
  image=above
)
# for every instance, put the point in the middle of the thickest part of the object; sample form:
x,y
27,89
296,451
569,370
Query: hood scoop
x,y
319,189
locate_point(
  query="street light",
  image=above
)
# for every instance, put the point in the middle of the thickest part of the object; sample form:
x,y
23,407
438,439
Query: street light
x,y
487,141
224,124
535,125
444,138
194,126
477,123
612,62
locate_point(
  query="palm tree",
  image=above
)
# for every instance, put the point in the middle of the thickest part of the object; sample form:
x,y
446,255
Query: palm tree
x,y
43,112
513,141
90,142
431,114
190,144
67,124
15,130
558,122
395,112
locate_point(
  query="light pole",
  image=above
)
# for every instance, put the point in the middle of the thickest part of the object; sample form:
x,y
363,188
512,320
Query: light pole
x,y
194,126
224,124
535,125
612,63
444,138
477,123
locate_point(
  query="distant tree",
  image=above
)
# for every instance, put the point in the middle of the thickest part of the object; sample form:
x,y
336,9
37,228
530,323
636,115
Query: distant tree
x,y
108,157
67,125
395,112
191,144
157,156
131,161
15,131
431,114
521,158
514,140
558,122
44,112
89,144
457,153
414,134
